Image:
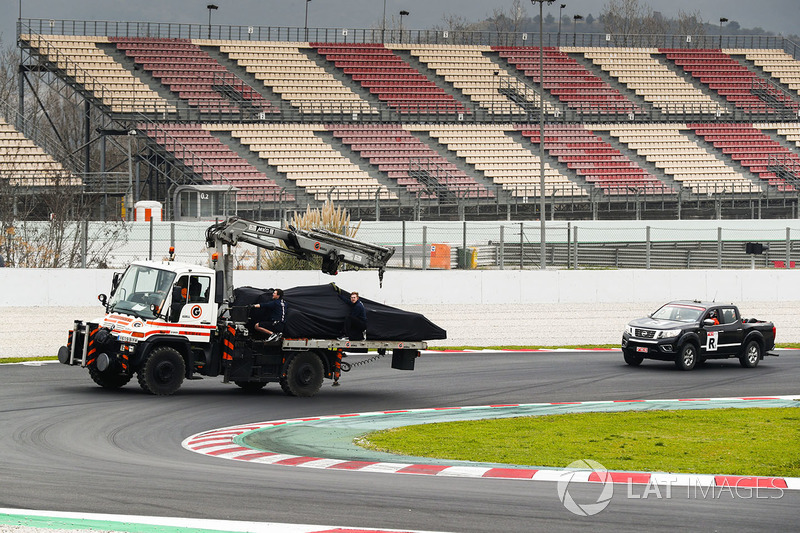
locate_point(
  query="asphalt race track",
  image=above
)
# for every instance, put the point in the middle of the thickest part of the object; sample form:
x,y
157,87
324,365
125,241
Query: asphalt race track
x,y
68,445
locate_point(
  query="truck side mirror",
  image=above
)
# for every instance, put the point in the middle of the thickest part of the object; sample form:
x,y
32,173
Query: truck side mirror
x,y
103,298
708,322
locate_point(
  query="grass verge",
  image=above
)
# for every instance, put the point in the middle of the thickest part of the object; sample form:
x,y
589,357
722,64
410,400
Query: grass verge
x,y
748,442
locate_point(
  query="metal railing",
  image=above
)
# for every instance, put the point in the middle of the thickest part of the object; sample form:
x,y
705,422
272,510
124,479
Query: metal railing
x,y
173,30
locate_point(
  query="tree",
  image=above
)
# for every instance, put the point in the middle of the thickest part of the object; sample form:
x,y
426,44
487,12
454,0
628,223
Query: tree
x,y
510,21
690,23
630,22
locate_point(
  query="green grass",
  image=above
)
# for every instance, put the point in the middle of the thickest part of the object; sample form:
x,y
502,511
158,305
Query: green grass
x,y
24,359
751,441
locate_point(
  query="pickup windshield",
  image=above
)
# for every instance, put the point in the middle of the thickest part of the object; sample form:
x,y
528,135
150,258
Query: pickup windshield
x,y
140,287
679,313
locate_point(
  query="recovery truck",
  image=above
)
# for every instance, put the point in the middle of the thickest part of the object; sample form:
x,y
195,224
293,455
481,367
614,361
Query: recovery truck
x,y
167,321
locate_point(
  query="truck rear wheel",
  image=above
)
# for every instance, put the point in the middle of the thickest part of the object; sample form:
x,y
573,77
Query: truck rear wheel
x,y
751,355
687,357
163,372
108,380
304,375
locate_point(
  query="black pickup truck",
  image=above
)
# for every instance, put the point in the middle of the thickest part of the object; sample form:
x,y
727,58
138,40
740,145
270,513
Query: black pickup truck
x,y
689,332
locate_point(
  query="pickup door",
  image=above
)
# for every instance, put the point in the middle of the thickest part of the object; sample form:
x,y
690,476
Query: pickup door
x,y
725,338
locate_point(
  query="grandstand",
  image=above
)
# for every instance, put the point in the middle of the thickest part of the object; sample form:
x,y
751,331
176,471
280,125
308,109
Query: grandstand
x,y
423,125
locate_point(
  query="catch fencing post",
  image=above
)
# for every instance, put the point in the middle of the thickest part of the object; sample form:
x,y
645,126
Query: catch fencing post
x,y
84,242
424,247
403,248
150,249
502,247
569,245
575,247
788,248
464,245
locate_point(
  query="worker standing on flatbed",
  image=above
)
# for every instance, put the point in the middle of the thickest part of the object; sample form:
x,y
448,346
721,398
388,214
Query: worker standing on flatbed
x,y
355,323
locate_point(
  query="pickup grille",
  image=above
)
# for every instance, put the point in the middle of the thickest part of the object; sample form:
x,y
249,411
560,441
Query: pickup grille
x,y
644,333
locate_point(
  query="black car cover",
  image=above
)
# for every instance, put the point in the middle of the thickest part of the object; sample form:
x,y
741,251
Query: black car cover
x,y
318,311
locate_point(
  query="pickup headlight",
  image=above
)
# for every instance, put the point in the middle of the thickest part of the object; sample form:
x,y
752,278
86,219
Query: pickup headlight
x,y
667,333
629,330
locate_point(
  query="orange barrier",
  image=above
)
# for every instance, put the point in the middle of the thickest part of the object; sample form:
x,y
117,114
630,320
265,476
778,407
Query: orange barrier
x,y
440,256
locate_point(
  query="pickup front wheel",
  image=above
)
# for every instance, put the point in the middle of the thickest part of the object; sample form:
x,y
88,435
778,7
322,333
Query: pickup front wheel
x,y
687,358
751,355
632,358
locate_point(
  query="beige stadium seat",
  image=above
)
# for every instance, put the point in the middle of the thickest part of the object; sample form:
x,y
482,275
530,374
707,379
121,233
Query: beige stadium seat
x,y
308,160
502,159
80,57
679,156
652,80
288,72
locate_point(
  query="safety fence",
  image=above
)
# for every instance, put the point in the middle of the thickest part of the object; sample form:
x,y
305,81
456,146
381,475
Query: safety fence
x,y
714,244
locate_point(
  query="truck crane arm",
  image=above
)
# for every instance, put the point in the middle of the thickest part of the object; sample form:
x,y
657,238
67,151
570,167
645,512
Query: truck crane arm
x,y
334,249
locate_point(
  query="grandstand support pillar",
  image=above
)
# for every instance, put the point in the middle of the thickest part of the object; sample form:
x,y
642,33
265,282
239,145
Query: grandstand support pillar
x,y
87,136
129,199
542,219
377,205
21,88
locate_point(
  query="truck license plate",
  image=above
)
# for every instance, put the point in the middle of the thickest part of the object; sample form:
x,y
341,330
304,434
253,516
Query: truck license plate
x,y
641,349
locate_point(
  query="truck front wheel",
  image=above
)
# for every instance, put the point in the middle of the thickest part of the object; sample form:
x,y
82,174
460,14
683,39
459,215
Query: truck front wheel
x,y
304,375
687,357
108,380
751,355
163,372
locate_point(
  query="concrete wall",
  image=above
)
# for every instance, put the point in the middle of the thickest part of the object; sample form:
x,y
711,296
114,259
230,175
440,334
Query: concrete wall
x,y
76,287
476,308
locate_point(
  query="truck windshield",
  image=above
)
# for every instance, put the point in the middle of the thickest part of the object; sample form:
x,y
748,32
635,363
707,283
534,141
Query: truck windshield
x,y
140,287
679,312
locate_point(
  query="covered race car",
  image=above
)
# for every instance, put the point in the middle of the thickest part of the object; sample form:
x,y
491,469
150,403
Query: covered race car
x,y
317,311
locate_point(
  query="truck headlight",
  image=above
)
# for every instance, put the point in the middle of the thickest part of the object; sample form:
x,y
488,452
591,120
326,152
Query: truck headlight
x,y
667,333
629,330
